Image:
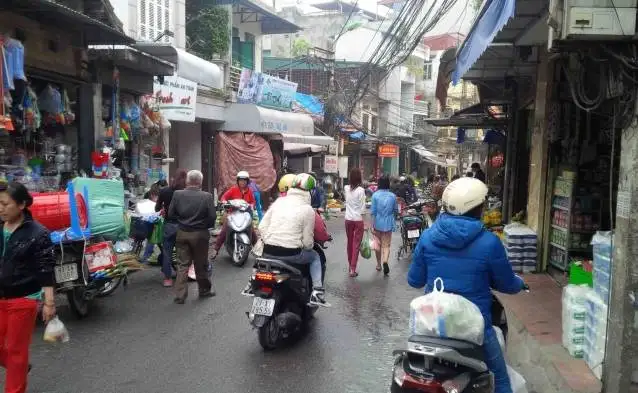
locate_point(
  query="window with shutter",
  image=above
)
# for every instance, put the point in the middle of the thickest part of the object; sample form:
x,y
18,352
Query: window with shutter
x,y
155,18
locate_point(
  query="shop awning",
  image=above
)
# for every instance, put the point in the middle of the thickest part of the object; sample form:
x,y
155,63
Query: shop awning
x,y
475,116
510,54
187,66
423,152
319,140
132,58
252,11
494,15
253,118
54,13
302,148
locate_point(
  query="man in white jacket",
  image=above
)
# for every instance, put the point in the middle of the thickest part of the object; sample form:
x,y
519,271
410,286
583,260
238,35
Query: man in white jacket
x,y
287,231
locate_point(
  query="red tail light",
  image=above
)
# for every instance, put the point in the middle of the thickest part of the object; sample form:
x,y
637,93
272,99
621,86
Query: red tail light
x,y
264,289
424,385
406,381
265,277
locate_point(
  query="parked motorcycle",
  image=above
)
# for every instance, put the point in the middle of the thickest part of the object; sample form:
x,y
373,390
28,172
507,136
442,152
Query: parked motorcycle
x,y
73,278
281,294
412,221
445,365
239,231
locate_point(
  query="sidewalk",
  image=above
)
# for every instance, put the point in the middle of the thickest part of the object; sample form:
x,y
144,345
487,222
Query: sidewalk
x,y
534,347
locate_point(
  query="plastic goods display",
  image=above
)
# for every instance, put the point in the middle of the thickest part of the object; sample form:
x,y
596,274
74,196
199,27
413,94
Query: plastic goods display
x,y
441,314
595,333
574,317
602,242
53,209
520,242
106,206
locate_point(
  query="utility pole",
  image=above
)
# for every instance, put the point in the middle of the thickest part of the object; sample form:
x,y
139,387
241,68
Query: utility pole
x,y
621,353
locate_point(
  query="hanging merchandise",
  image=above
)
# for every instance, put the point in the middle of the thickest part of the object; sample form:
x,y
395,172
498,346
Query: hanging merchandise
x,y
5,121
51,102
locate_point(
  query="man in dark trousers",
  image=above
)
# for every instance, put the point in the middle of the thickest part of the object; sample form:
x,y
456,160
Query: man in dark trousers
x,y
194,211
478,172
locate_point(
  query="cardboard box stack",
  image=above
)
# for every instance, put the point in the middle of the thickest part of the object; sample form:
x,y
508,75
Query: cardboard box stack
x,y
520,243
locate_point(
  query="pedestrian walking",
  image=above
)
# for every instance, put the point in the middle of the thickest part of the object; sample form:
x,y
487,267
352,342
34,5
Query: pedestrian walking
x,y
170,224
194,212
383,211
152,195
26,276
355,211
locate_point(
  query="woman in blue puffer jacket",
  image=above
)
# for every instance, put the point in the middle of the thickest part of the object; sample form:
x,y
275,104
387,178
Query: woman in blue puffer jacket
x,y
470,260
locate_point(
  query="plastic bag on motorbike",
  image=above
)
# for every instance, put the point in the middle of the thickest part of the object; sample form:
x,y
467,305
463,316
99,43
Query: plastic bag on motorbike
x,y
55,331
157,237
446,315
365,249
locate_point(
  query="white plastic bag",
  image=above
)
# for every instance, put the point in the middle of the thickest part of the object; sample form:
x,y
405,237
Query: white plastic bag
x,y
55,331
441,314
519,385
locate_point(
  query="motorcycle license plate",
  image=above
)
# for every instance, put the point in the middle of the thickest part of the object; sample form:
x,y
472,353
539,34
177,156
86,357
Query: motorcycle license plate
x,y
64,273
414,233
263,306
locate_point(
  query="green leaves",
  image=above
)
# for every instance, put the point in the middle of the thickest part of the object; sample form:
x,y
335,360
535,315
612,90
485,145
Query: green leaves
x,y
208,31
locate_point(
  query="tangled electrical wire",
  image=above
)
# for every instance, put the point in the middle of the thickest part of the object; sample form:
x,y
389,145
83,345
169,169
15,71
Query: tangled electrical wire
x,y
402,36
603,80
398,42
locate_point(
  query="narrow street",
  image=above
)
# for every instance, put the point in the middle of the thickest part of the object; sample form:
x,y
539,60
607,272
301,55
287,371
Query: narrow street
x,y
137,340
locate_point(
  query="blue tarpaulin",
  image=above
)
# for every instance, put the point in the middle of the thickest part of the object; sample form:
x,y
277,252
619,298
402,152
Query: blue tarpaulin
x,y
493,17
309,103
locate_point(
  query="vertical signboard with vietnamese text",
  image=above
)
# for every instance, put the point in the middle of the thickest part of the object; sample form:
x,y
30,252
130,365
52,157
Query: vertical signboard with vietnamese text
x,y
331,164
176,97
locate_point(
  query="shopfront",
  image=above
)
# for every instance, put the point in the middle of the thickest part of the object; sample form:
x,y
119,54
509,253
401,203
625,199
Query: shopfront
x,y
47,122
194,121
255,138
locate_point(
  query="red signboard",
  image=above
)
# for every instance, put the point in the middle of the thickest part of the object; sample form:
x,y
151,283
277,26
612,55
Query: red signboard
x,y
389,151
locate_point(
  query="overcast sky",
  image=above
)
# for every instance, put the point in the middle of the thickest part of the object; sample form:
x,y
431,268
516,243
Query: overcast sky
x,y
459,19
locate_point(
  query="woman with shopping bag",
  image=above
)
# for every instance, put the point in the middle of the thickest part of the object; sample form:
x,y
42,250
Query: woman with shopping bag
x,y
383,211
26,277
355,211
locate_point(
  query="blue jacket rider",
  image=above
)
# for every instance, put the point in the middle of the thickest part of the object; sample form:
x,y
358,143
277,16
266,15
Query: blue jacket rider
x,y
470,260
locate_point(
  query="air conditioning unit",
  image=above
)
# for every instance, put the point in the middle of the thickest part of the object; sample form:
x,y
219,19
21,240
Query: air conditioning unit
x,y
602,19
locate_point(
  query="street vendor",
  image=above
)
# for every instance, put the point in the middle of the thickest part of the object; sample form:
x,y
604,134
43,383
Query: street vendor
x,y
241,190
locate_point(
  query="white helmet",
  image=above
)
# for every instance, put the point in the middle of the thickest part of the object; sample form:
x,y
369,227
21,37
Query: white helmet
x,y
243,175
463,195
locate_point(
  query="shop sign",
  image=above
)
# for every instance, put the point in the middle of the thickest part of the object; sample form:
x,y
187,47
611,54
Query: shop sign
x,y
273,127
331,164
266,91
388,151
176,97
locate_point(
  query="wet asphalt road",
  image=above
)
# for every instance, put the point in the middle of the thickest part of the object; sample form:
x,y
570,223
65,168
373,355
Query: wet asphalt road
x,y
137,340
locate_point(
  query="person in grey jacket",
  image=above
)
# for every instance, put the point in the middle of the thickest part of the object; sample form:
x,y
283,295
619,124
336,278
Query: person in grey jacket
x,y
194,212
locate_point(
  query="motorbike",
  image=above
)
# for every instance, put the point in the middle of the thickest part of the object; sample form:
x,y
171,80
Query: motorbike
x,y
281,294
73,278
445,365
239,230
412,222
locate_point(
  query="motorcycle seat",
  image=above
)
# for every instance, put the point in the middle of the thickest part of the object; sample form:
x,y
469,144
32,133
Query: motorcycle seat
x,y
303,269
465,348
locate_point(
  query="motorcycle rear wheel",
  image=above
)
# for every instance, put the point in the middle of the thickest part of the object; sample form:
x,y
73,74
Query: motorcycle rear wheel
x,y
269,335
77,302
